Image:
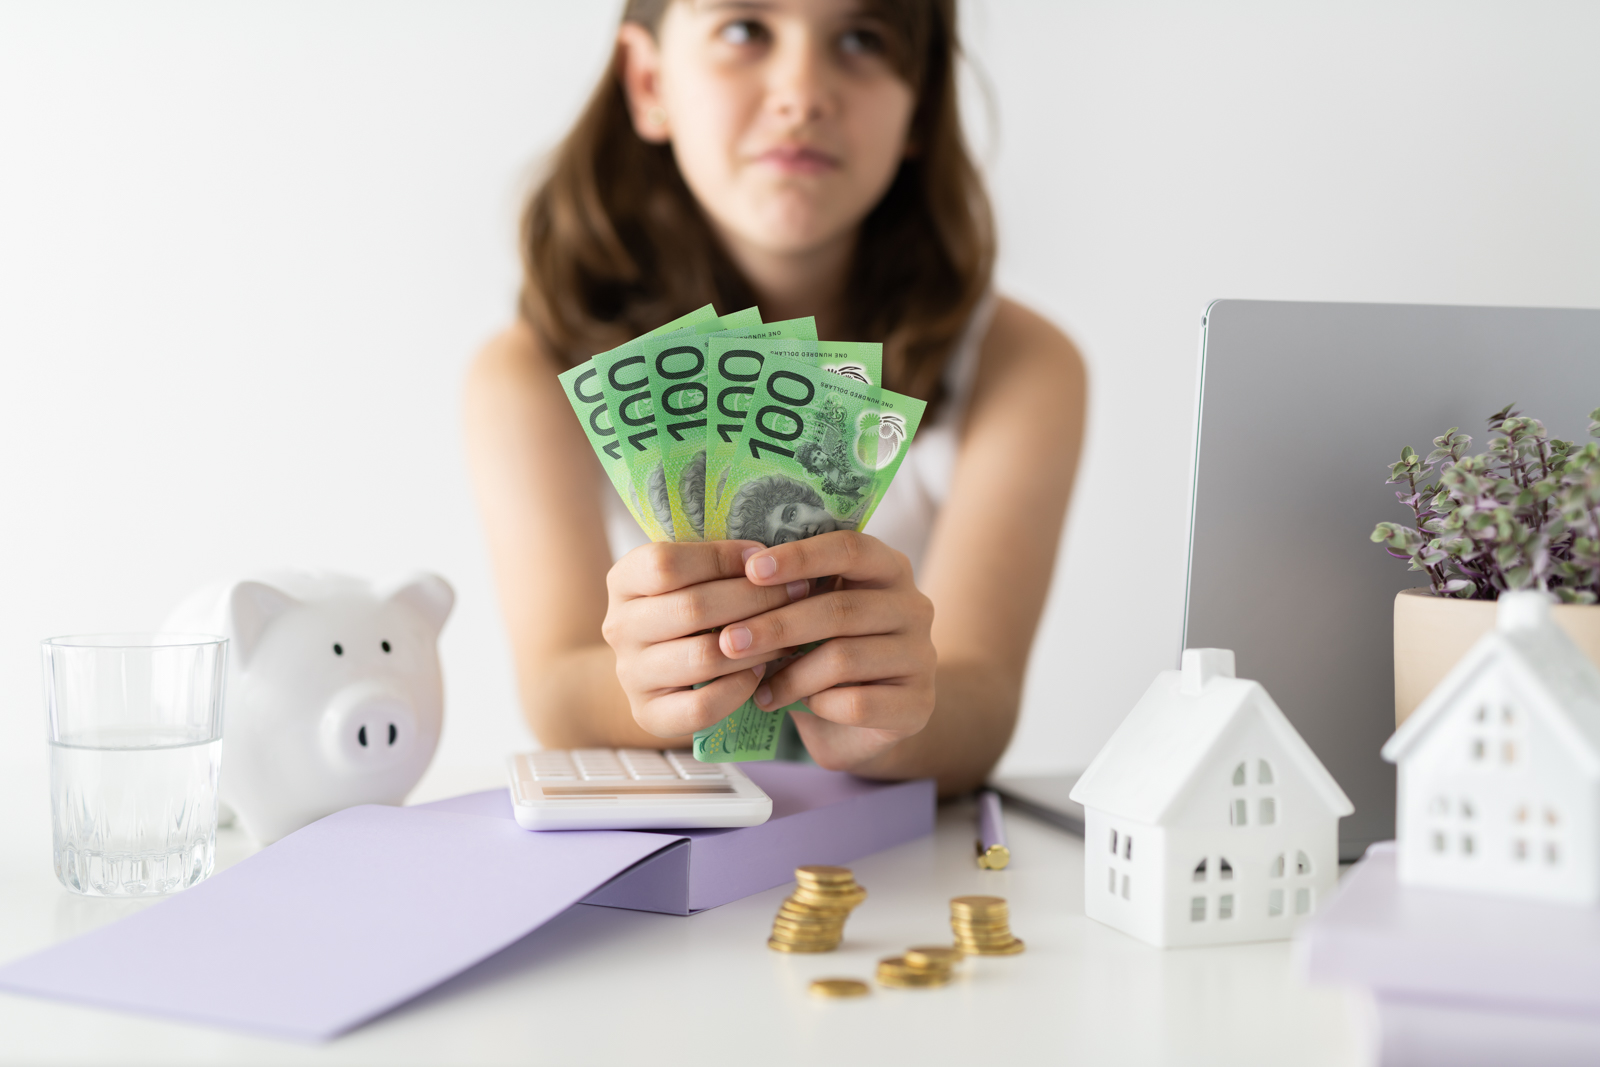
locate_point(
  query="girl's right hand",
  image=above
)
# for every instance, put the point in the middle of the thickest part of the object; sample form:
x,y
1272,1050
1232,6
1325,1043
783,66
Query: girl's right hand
x,y
667,602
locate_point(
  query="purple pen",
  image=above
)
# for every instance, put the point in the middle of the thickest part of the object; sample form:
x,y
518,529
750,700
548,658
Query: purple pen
x,y
992,851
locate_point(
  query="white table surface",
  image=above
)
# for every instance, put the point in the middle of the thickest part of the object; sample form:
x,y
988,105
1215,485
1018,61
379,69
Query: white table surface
x,y
605,986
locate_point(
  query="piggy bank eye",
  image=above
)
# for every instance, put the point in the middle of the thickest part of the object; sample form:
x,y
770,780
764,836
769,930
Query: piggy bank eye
x,y
338,649
386,646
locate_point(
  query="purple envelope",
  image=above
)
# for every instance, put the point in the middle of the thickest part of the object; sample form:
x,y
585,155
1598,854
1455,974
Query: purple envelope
x,y
354,915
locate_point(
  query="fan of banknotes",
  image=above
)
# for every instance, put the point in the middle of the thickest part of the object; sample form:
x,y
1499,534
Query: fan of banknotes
x,y
724,427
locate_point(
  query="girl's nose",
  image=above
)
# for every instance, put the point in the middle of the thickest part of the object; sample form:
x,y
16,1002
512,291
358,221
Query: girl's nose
x,y
797,85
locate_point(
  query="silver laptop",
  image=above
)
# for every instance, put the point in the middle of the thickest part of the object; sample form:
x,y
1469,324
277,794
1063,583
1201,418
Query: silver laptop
x,y
1302,408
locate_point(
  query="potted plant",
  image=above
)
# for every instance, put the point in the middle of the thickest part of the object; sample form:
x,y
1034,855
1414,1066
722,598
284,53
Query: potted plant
x,y
1523,515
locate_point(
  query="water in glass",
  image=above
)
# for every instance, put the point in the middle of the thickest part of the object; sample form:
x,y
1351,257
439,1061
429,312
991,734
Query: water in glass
x,y
135,820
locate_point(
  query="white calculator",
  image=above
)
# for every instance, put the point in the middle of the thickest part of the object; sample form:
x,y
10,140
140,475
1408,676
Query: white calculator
x,y
631,789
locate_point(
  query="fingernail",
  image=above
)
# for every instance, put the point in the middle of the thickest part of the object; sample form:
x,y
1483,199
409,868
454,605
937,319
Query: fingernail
x,y
759,669
798,590
739,638
744,556
765,567
764,695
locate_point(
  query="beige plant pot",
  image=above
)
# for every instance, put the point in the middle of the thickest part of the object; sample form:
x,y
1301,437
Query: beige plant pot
x,y
1432,633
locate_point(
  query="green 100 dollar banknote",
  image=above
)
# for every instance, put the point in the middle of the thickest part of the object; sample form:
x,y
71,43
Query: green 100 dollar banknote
x,y
588,400
677,365
816,454
734,368
627,378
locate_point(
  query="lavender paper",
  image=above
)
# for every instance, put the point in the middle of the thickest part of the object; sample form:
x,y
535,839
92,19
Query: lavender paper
x,y
335,924
1447,947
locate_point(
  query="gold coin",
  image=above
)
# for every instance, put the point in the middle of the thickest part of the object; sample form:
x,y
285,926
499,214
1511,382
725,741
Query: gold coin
x,y
789,933
932,957
829,899
813,923
1007,948
808,924
816,933
824,874
784,946
930,980
798,908
839,987
977,902
894,973
900,967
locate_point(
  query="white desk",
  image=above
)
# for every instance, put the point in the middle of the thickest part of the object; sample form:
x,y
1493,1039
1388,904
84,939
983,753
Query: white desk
x,y
604,986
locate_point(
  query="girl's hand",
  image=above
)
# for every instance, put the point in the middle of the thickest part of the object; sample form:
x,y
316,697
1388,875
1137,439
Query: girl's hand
x,y
871,685
666,603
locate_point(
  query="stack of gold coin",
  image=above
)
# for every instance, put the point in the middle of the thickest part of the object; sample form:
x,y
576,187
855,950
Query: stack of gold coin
x,y
812,918
920,968
982,926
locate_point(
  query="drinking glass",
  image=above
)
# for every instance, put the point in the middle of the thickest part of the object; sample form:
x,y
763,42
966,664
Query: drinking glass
x,y
135,750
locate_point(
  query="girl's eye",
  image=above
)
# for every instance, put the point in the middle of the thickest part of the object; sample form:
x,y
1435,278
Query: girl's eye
x,y
861,43
743,31
790,512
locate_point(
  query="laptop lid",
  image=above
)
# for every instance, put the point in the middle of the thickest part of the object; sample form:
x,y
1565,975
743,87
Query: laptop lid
x,y
1303,407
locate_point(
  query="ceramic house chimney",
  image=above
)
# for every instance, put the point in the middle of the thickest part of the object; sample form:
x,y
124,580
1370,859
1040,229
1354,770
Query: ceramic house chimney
x,y
1200,665
1525,610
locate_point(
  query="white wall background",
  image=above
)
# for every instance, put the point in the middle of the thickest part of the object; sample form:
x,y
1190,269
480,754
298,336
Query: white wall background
x,y
247,248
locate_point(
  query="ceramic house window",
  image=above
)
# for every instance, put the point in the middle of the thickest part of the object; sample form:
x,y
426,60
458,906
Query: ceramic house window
x,y
1494,738
1301,895
1537,834
1266,807
1202,873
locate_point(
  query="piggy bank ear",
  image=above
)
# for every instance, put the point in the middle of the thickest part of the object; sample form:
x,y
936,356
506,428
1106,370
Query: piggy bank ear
x,y
428,595
251,608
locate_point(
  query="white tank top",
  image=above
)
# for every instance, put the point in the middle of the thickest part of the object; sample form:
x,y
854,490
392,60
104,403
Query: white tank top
x,y
906,514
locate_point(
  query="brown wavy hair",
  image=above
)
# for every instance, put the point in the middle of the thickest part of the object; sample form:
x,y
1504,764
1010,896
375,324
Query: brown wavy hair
x,y
614,244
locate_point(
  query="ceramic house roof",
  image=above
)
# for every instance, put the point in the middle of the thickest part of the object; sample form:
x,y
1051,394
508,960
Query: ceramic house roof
x,y
1542,661
1179,731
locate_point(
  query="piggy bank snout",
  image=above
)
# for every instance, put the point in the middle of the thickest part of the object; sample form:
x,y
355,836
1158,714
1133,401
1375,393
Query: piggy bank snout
x,y
368,728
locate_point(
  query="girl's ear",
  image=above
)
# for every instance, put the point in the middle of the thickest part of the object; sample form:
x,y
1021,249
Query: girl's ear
x,y
639,63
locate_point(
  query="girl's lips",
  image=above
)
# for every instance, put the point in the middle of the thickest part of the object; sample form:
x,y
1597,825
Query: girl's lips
x,y
794,159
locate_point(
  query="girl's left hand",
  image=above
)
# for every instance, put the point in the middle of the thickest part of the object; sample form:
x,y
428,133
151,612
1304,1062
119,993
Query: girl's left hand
x,y
871,685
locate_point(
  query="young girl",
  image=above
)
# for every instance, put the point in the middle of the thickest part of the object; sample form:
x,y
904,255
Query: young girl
x,y
806,156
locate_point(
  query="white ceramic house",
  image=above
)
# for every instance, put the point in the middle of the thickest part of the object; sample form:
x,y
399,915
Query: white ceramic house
x,y
1500,766
1207,818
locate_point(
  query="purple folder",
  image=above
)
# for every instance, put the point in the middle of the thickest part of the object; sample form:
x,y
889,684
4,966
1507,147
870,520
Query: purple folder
x,y
1407,943
283,943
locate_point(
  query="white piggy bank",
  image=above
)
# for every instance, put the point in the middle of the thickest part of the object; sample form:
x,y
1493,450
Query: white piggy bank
x,y
334,693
